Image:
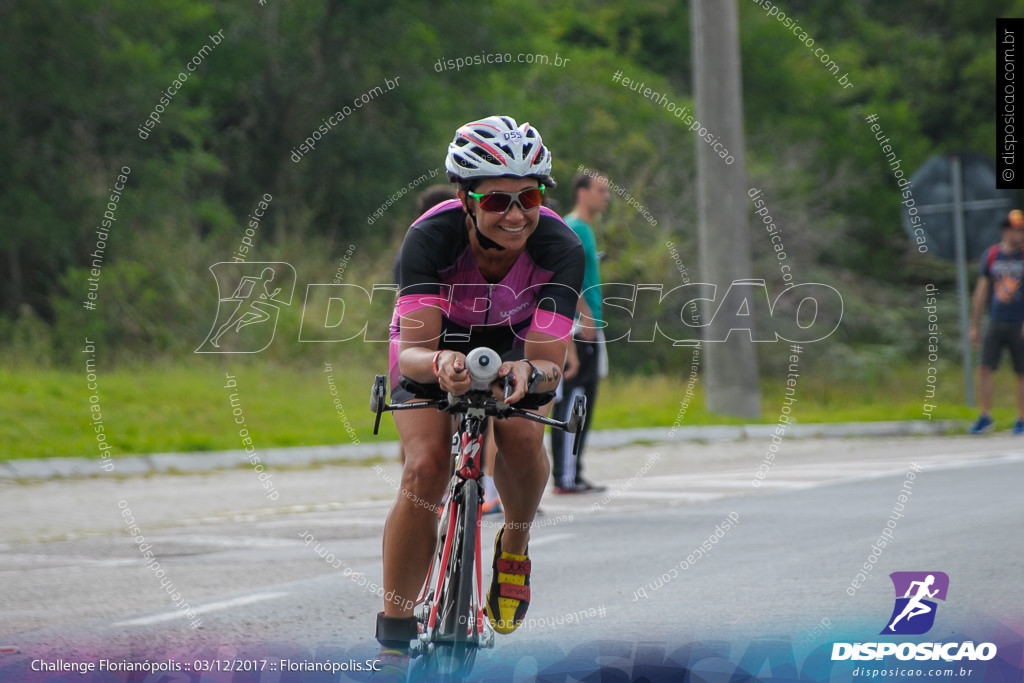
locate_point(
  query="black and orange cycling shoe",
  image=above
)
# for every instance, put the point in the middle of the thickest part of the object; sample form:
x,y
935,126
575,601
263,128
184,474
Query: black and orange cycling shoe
x,y
509,595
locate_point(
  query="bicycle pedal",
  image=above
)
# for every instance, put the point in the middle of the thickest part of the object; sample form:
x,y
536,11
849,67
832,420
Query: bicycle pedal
x,y
487,640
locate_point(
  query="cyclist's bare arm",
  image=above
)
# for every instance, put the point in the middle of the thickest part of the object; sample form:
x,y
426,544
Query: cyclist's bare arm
x,y
547,353
421,332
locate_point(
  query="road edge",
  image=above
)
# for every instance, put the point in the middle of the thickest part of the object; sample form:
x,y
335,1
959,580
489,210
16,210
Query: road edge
x,y
304,456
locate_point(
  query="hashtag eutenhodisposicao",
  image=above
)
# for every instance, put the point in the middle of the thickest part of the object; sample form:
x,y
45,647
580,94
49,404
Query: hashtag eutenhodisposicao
x,y
681,113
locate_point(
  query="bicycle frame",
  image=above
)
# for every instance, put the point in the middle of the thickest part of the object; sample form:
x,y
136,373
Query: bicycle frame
x,y
470,436
473,408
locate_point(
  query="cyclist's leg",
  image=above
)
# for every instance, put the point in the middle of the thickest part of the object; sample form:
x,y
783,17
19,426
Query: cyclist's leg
x,y
489,450
410,533
491,497
520,473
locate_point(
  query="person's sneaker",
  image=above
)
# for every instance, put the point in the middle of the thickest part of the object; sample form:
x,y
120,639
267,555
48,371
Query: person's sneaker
x,y
1018,426
582,486
982,426
492,507
509,595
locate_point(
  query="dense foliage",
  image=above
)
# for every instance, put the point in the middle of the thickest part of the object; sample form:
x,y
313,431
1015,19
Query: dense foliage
x,y
79,81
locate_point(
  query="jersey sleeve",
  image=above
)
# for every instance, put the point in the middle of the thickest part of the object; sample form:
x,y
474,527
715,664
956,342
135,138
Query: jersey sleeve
x,y
420,263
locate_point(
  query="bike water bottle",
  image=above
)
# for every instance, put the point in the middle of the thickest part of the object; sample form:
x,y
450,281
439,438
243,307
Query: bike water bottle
x,y
483,365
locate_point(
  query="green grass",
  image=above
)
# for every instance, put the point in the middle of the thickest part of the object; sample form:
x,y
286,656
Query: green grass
x,y
185,407
164,409
629,402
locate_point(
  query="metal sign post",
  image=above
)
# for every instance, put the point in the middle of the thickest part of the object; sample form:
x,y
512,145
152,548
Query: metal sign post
x,y
961,278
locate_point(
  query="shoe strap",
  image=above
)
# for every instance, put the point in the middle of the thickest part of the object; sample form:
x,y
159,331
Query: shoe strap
x,y
396,633
511,590
512,566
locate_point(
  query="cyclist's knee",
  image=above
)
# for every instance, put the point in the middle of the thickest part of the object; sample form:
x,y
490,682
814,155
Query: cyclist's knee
x,y
526,442
426,471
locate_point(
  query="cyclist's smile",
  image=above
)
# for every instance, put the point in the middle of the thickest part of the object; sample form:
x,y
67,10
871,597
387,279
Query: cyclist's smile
x,y
515,223
512,230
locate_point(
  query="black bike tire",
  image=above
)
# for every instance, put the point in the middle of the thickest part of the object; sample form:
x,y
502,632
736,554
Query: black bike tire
x,y
455,653
470,504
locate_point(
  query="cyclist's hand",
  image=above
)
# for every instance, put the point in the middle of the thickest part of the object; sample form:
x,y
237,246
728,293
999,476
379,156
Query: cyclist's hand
x,y
452,374
520,372
975,337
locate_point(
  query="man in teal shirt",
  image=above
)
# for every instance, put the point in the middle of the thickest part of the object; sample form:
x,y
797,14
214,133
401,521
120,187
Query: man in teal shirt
x,y
591,195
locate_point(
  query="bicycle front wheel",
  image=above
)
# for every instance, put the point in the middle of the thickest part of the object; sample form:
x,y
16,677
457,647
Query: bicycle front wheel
x,y
455,644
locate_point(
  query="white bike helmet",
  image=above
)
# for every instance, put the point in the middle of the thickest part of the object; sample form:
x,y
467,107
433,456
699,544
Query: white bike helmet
x,y
496,147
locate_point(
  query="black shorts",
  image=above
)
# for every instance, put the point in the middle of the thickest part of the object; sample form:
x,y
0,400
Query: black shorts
x,y
1002,333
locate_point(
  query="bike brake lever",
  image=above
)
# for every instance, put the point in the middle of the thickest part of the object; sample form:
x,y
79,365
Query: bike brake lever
x,y
509,385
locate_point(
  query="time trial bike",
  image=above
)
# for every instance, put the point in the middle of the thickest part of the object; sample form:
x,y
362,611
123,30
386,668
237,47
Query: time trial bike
x,y
452,622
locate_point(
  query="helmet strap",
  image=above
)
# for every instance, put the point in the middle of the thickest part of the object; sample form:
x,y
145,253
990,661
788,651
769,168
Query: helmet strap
x,y
485,241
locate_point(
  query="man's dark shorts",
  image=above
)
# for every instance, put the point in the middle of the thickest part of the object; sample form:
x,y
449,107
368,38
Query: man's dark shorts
x,y
1002,333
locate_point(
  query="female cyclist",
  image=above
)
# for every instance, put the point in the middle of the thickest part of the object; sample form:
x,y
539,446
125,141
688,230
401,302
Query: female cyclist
x,y
490,268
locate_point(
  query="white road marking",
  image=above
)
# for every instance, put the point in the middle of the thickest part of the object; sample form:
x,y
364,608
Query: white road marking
x,y
204,609
335,521
63,561
224,541
700,487
671,495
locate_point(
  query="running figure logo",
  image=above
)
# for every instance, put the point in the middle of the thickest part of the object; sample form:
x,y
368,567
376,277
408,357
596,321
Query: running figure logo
x,y
247,318
914,612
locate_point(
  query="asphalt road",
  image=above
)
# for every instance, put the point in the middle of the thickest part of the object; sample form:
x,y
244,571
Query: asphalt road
x,y
626,566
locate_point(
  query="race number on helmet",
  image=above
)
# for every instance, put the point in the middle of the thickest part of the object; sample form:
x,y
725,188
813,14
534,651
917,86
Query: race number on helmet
x,y
495,147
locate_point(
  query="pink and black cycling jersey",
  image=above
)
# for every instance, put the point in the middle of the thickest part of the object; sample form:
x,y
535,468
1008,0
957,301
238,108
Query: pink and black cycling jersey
x,y
438,269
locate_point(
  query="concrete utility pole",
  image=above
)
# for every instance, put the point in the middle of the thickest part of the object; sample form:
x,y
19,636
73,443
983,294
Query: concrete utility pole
x,y
722,236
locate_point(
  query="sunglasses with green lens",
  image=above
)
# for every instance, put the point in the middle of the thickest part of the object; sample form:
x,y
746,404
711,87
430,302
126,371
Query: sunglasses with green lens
x,y
501,202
